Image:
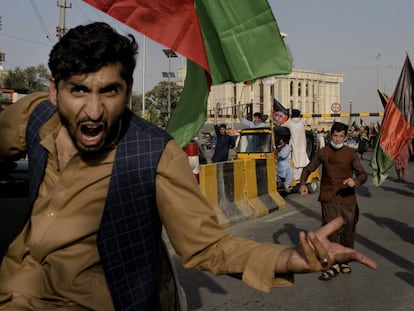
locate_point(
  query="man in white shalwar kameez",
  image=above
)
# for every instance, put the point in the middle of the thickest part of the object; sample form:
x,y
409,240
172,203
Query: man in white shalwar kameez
x,y
296,127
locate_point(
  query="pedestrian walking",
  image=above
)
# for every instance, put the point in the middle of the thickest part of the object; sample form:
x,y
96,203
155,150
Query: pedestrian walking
x,y
342,171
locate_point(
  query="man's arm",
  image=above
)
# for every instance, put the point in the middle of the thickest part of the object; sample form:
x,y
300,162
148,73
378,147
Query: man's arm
x,y
13,123
283,153
198,239
359,171
203,244
307,170
243,120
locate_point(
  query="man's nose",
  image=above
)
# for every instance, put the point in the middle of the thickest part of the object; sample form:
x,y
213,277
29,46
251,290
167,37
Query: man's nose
x,y
94,108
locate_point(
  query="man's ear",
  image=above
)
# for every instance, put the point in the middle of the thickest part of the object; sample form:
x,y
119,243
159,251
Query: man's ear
x,y
52,91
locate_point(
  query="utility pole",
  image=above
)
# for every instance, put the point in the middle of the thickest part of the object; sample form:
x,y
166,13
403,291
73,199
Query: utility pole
x,y
2,55
378,57
61,29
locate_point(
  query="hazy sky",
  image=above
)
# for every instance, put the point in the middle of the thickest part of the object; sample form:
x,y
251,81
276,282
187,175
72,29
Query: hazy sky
x,y
366,40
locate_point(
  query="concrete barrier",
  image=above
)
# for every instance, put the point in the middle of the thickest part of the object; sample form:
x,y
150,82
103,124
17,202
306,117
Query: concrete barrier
x,y
261,189
241,189
223,184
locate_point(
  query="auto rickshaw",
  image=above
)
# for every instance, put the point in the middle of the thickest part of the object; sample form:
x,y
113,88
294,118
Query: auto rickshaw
x,y
258,143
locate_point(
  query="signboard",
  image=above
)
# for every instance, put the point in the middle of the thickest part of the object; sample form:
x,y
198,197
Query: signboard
x,y
336,107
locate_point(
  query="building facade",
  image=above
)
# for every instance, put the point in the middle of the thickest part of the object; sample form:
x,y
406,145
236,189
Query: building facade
x,y
309,91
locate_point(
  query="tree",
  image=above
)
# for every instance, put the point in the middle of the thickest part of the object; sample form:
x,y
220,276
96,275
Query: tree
x,y
32,78
136,104
156,102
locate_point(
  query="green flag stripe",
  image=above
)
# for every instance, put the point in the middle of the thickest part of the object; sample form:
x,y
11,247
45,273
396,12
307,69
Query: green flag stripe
x,y
190,114
243,42
381,163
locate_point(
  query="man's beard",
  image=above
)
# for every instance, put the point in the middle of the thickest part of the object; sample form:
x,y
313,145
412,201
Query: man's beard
x,y
73,129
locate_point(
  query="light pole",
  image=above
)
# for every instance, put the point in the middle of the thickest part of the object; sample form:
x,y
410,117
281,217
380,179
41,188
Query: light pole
x,y
169,53
350,112
377,57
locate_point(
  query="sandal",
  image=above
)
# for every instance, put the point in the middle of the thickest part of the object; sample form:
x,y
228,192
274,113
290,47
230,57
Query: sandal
x,y
345,268
329,274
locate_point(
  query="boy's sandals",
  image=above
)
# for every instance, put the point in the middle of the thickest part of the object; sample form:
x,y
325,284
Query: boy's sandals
x,y
345,268
329,274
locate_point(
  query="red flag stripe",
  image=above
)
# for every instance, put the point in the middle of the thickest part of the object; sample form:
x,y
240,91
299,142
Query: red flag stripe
x,y
172,23
398,130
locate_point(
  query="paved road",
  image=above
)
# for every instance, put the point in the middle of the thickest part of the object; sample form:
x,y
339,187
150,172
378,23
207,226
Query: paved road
x,y
385,233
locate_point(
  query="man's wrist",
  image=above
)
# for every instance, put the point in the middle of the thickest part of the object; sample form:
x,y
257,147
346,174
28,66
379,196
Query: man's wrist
x,y
282,262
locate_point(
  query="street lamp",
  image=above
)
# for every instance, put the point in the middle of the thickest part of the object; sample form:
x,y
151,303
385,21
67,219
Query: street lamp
x,y
170,54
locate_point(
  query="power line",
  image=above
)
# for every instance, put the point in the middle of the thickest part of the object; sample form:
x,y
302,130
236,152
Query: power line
x,y
23,39
40,19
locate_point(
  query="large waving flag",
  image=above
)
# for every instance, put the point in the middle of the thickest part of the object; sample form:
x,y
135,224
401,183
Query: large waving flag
x,y
232,40
397,125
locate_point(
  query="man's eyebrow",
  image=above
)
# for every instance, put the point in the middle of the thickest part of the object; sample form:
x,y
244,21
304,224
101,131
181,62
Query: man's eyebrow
x,y
111,86
78,85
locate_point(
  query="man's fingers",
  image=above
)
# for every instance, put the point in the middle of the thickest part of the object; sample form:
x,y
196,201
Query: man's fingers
x,y
358,257
330,227
320,251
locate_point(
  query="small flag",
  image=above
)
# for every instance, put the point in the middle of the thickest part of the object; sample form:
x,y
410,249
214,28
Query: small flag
x,y
397,125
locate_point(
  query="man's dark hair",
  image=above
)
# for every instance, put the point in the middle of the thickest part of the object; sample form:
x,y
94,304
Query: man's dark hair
x,y
295,113
339,127
224,126
88,48
257,114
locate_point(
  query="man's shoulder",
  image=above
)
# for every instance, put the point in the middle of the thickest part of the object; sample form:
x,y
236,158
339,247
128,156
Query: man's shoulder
x,y
34,97
32,101
142,127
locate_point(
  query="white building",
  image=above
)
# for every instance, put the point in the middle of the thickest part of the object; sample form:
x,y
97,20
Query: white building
x,y
309,91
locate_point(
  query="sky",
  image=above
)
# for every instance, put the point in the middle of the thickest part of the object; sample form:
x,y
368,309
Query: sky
x,y
365,40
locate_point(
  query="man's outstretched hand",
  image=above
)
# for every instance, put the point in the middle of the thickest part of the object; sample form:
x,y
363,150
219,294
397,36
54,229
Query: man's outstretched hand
x,y
316,253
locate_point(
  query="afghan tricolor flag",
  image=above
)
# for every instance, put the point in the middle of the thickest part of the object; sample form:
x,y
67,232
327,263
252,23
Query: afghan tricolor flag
x,y
232,40
397,125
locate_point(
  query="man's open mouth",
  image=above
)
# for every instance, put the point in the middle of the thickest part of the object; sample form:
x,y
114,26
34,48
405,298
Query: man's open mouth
x,y
91,134
91,129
